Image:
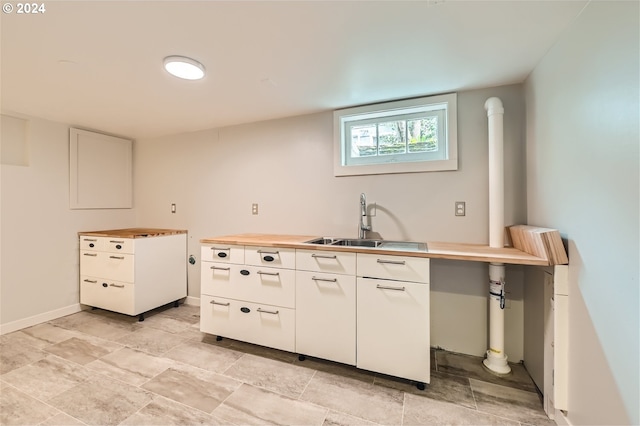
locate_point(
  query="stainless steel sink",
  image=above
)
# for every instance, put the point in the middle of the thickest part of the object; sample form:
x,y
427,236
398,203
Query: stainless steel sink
x,y
323,241
365,243
356,242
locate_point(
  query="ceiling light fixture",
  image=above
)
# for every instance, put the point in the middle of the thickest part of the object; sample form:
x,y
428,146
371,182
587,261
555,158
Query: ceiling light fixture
x,y
183,67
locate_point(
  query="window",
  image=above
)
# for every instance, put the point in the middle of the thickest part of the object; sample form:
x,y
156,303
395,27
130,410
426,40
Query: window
x,y
414,135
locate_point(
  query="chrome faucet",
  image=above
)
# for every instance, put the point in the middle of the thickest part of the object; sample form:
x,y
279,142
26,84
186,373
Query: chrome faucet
x,y
363,214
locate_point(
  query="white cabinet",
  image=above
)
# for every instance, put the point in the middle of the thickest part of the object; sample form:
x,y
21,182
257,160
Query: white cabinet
x,y
135,273
362,309
326,305
245,300
393,316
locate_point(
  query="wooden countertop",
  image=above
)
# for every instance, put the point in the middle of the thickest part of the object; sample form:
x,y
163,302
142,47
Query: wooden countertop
x,y
436,250
134,232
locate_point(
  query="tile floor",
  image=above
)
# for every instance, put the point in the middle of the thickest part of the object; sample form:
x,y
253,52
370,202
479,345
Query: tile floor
x,y
100,368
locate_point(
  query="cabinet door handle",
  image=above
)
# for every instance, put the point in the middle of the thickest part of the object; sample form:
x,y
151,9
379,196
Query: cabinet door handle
x,y
275,274
90,281
213,302
329,280
268,312
392,262
116,285
91,254
323,256
219,268
386,287
116,257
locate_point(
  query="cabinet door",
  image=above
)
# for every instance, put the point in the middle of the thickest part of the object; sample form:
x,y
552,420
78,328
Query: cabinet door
x,y
393,328
326,316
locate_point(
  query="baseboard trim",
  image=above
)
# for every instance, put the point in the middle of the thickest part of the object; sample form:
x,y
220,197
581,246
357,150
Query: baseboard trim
x,y
190,300
561,419
39,319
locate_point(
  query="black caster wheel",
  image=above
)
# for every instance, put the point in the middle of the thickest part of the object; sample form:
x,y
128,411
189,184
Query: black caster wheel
x,y
176,304
141,318
420,386
218,338
301,357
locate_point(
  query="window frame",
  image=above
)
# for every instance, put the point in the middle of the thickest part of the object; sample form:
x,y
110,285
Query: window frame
x,y
382,112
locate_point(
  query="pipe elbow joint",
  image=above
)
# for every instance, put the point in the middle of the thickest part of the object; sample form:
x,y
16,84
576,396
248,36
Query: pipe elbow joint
x,y
493,106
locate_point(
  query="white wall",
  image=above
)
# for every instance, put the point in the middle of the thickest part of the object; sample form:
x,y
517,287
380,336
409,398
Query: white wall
x,y
285,166
39,255
583,178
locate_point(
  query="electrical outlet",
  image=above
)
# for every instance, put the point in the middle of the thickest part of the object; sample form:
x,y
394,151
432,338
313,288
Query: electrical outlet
x,y
254,208
461,209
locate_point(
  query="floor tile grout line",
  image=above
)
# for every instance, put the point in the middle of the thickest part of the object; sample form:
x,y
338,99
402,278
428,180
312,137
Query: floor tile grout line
x,y
45,402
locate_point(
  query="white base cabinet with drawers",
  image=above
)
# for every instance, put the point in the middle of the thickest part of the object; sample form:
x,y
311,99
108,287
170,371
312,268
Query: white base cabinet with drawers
x,y
248,294
362,309
132,275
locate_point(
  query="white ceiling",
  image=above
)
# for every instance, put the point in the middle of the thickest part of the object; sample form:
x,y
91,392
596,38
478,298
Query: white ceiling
x,y
98,64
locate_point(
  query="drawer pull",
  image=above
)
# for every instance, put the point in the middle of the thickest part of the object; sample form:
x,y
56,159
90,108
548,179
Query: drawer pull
x,y
91,254
220,249
275,274
392,262
89,239
116,242
213,302
329,280
90,281
268,312
323,256
116,257
220,268
268,252
117,285
386,287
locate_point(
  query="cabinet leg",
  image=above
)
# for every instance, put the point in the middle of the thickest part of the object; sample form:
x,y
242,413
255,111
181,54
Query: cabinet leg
x,y
420,386
176,304
218,338
301,357
141,318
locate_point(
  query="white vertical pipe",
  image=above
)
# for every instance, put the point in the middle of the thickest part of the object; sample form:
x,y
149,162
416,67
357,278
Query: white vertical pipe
x,y
496,360
495,113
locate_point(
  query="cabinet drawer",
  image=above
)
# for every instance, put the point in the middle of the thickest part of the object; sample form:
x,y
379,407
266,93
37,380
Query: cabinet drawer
x,y
119,245
88,242
326,316
393,328
326,261
112,266
111,295
222,253
415,269
271,286
270,256
250,322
